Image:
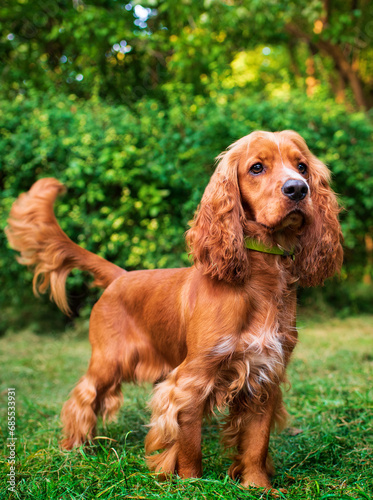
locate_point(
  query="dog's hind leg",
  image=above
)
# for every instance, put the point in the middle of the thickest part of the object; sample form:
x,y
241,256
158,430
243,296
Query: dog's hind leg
x,y
97,392
120,352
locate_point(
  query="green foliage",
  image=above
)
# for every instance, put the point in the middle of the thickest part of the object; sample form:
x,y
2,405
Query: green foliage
x,y
69,45
324,454
105,47
135,177
129,103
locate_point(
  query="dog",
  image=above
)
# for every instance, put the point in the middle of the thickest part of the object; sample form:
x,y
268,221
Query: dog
x,y
217,334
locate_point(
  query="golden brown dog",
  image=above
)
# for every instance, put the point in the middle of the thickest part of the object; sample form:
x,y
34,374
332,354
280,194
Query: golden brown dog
x,y
219,333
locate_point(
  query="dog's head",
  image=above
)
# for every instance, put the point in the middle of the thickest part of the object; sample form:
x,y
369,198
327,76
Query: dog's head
x,y
271,187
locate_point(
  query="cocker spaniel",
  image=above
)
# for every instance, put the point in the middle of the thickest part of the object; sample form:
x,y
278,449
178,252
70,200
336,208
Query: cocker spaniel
x,y
217,334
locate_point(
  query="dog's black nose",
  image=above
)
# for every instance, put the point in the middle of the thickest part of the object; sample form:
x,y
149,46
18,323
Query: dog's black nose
x,y
294,189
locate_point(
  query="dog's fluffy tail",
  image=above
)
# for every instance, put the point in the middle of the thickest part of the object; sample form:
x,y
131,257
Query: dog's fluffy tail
x,y
34,232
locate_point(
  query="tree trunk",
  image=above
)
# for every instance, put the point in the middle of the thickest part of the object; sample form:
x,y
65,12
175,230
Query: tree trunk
x,y
346,70
343,66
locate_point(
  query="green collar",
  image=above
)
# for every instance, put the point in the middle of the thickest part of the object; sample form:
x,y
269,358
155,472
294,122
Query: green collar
x,y
253,244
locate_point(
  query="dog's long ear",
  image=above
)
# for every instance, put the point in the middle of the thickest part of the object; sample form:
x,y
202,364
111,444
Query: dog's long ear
x,y
216,239
320,252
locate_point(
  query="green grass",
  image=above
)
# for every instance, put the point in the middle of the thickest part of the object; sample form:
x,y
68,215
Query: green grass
x,y
326,453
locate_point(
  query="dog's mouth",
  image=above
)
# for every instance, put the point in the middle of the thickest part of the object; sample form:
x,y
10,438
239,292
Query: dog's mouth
x,y
295,220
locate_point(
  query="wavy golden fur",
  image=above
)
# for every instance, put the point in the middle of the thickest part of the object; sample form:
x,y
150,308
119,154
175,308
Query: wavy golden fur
x,y
217,334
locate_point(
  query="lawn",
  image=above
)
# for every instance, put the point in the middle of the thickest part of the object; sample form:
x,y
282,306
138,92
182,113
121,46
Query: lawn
x,y
325,453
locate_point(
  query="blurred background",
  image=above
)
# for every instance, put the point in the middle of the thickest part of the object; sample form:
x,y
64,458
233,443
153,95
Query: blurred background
x,y
128,104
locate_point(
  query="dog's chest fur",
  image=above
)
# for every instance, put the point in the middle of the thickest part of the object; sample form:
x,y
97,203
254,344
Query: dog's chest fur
x,y
255,360
262,351
254,363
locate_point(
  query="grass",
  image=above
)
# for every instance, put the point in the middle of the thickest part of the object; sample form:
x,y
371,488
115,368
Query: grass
x,y
326,453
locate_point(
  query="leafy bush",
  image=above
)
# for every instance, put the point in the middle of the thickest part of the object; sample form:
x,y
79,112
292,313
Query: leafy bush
x,y
135,176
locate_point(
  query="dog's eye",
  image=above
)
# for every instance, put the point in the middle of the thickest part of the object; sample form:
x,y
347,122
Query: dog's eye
x,y
302,167
257,168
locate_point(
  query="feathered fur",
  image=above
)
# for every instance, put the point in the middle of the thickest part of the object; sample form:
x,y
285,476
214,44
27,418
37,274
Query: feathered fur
x,y
216,335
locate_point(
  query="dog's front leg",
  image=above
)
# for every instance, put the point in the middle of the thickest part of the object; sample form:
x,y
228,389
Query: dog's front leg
x,y
178,405
250,429
189,458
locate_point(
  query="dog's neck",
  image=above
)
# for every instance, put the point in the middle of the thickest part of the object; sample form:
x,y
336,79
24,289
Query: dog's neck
x,y
260,238
257,246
